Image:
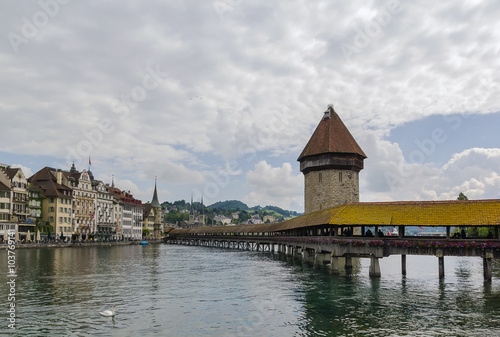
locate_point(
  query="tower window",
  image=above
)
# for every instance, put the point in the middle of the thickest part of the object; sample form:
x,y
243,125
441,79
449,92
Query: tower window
x,y
320,177
340,176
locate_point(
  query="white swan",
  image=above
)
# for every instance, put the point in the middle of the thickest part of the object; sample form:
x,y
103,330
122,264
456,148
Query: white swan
x,y
109,313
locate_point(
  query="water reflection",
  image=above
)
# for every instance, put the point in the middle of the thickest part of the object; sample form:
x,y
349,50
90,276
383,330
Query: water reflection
x,y
197,291
461,305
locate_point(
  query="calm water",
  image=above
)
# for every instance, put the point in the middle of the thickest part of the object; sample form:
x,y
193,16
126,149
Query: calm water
x,y
168,290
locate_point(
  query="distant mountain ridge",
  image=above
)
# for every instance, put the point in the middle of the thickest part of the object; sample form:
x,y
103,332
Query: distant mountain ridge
x,y
234,205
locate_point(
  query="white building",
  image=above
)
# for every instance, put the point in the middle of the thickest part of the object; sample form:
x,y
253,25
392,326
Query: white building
x,y
223,219
5,207
84,202
104,211
127,214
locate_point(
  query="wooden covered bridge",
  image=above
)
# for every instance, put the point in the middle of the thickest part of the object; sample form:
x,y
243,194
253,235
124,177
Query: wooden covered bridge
x,y
343,231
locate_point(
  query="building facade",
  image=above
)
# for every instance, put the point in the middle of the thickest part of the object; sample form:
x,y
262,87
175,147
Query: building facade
x,y
19,194
117,216
104,211
57,205
84,203
5,206
148,225
131,217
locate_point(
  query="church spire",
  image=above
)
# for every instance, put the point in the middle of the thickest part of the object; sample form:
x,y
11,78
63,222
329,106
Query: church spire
x,y
155,201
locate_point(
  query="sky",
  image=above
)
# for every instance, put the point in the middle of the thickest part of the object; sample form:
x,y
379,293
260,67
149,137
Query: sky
x,y
218,98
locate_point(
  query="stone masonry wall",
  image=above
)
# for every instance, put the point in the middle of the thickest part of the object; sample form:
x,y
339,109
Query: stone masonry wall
x,y
329,188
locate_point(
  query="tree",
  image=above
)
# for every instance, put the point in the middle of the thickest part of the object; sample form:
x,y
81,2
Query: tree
x,y
481,232
471,231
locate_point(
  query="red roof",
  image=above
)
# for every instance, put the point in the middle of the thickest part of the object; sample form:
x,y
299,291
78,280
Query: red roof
x,y
46,180
125,197
331,136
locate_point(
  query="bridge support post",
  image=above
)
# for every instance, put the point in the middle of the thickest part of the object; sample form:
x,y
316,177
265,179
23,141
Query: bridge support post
x,y
307,256
403,265
487,266
487,269
348,262
440,264
374,267
318,258
334,264
289,250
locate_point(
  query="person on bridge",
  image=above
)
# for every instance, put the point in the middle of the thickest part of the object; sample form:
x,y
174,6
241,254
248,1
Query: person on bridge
x,y
369,233
380,233
463,234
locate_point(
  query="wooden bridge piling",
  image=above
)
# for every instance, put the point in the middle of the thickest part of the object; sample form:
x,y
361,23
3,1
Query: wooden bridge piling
x,y
374,270
314,250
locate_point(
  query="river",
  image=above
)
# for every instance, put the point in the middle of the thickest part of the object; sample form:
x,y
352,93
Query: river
x,y
172,290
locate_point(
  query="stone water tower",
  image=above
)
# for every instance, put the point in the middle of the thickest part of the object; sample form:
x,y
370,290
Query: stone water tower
x,y
331,162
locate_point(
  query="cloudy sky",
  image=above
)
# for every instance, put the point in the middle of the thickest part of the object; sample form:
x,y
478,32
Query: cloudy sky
x,y
219,97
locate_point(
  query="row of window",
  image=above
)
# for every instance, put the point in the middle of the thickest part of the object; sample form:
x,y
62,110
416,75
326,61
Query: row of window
x,y
36,213
105,196
18,208
83,222
61,200
61,219
19,184
20,197
84,204
65,229
85,212
84,194
35,203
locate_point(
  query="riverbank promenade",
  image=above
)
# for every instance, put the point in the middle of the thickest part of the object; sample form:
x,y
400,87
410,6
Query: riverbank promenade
x,y
75,244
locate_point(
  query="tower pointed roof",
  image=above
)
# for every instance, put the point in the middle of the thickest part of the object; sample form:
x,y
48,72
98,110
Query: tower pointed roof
x,y
155,202
331,137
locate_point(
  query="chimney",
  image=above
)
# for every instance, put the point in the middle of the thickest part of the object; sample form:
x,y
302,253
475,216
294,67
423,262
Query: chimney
x,y
59,176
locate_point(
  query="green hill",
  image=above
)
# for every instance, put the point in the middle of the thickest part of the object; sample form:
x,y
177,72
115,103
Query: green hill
x,y
229,205
275,210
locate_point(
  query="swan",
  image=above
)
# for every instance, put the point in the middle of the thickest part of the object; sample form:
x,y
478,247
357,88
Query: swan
x,y
109,313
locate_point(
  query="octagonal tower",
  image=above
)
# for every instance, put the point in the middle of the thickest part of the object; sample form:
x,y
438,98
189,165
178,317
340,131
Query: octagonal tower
x,y
331,162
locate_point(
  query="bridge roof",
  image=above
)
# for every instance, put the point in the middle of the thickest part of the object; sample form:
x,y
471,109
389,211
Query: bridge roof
x,y
404,213
420,213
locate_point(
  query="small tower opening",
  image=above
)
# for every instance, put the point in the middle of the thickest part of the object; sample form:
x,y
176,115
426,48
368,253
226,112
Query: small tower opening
x,y
328,111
